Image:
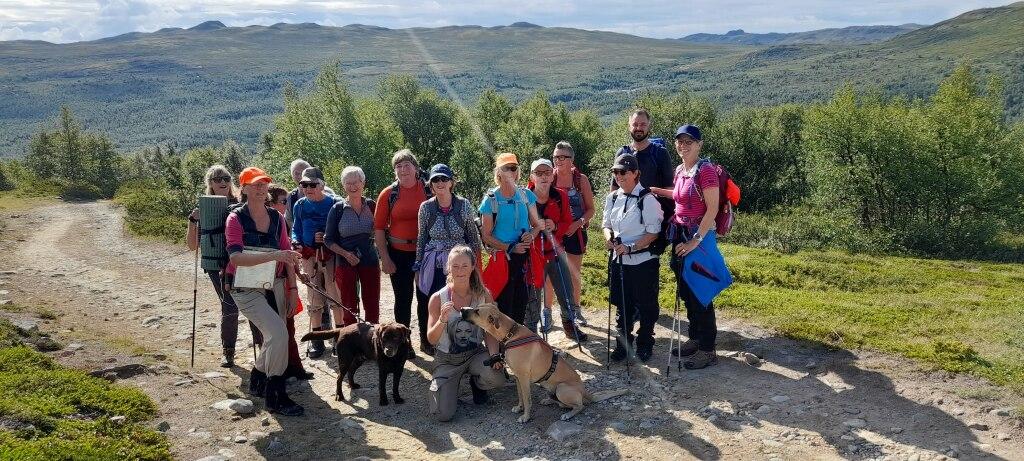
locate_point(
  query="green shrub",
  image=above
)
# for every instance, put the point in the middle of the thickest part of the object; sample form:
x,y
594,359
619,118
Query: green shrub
x,y
6,181
81,191
150,211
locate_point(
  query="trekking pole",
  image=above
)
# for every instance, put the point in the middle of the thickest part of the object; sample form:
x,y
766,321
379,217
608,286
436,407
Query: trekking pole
x,y
565,290
627,319
608,362
195,291
544,293
673,337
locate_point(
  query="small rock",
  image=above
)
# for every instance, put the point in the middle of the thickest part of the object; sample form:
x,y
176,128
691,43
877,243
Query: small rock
x,y
896,430
771,443
1002,411
148,321
75,346
855,423
226,453
164,426
780,398
213,458
240,439
1003,436
848,437
118,419
128,370
979,426
763,409
751,359
265,421
200,434
257,435
242,406
646,425
275,445
184,382
563,430
214,375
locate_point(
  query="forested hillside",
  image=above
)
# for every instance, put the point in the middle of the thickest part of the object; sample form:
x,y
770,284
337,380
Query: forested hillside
x,y
202,85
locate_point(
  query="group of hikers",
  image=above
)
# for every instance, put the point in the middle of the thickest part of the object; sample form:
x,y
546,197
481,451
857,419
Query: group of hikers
x,y
430,242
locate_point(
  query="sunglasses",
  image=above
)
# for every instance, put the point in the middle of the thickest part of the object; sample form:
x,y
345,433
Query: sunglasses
x,y
510,168
440,179
620,172
563,157
685,141
221,179
544,172
308,185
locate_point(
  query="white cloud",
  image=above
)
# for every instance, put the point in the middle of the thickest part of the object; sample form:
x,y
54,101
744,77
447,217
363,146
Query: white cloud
x,y
67,20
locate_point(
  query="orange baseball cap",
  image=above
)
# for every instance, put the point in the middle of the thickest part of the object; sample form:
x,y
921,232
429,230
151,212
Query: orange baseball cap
x,y
251,175
506,158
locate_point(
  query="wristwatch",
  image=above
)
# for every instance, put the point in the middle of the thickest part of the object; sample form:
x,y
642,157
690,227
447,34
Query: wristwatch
x,y
699,238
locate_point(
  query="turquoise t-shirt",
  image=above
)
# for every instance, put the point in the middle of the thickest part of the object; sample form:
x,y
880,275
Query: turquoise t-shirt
x,y
513,214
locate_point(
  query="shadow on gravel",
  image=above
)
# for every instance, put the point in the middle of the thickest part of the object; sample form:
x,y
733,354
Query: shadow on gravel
x,y
810,388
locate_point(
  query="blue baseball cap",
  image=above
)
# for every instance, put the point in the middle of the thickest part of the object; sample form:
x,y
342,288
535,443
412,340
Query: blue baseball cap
x,y
441,171
690,130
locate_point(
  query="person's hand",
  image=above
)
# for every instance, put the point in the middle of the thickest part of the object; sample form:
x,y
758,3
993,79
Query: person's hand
x,y
549,225
498,365
351,257
608,245
447,309
527,238
620,249
520,248
194,215
318,237
387,266
293,301
288,257
684,248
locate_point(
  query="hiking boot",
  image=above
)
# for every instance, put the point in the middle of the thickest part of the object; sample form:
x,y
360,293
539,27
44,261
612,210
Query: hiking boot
x,y
479,395
229,358
644,349
619,354
277,400
573,332
427,348
257,382
580,320
685,349
545,320
700,359
298,373
316,347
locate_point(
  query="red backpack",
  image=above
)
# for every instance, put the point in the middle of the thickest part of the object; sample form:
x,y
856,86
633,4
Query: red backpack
x,y
728,195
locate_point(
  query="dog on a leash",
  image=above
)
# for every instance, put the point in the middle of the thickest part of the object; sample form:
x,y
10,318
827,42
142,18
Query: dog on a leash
x,y
533,360
388,345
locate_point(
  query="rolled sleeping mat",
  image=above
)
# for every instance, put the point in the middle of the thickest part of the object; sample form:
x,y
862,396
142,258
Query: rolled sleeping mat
x,y
213,212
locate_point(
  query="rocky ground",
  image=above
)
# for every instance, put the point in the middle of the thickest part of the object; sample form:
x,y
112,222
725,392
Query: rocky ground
x,y
124,307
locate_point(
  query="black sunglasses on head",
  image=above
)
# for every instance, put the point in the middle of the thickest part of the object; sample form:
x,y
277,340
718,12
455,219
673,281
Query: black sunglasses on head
x,y
510,168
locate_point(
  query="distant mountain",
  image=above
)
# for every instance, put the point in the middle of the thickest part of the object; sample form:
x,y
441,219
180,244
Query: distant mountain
x,y
210,83
853,35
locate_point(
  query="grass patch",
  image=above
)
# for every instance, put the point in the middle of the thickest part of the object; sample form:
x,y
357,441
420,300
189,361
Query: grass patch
x,y
960,316
39,311
126,344
22,199
51,412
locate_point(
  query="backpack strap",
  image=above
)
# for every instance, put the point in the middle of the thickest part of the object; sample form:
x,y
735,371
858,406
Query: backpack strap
x,y
701,163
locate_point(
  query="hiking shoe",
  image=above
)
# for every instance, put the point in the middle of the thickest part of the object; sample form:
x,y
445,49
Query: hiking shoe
x,y
427,348
619,354
257,382
277,400
573,332
580,320
644,350
545,320
700,359
685,349
479,395
316,348
229,358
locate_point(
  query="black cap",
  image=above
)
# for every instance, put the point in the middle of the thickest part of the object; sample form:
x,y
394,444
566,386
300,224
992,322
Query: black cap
x,y
625,162
692,131
312,174
441,170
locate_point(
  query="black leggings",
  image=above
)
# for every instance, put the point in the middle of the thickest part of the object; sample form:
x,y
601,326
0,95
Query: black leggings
x,y
703,329
641,298
515,296
403,283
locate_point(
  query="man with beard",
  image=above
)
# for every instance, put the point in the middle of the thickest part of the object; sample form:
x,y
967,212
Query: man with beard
x,y
653,159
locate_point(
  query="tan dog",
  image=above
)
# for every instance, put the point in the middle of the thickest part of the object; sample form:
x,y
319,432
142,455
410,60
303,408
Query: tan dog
x,y
530,361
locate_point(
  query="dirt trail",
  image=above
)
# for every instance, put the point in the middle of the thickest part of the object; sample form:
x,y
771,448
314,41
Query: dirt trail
x,y
129,301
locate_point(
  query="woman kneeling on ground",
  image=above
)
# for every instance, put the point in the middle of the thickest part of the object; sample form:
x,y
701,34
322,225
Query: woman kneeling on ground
x,y
350,238
460,345
255,226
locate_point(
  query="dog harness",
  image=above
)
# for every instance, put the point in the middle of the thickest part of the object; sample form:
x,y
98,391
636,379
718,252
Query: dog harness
x,y
508,343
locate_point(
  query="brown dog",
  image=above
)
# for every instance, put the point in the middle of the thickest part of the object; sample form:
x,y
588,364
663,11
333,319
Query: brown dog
x,y
531,361
388,345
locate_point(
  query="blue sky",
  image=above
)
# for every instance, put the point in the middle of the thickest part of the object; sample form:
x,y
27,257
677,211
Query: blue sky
x,y
76,20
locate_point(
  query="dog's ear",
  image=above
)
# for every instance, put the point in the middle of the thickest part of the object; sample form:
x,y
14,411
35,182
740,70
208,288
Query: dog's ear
x,y
377,338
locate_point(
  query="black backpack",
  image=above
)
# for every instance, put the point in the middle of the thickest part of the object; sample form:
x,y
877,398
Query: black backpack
x,y
657,247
